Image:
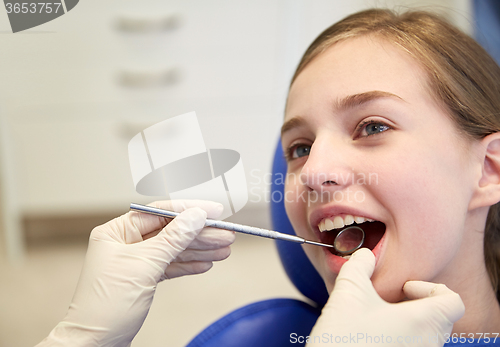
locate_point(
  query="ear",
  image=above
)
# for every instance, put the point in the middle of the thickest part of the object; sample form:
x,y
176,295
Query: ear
x,y
487,192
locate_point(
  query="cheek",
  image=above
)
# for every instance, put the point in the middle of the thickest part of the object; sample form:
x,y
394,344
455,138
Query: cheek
x,y
295,206
428,183
428,205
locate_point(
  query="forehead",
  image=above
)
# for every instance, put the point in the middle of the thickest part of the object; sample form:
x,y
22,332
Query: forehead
x,y
356,66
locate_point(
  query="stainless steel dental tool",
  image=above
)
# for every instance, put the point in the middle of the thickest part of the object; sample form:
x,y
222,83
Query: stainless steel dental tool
x,y
343,242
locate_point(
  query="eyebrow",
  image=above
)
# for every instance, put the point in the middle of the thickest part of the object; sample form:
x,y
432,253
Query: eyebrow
x,y
350,101
295,122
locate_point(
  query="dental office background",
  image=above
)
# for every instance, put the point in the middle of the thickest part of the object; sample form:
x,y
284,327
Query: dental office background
x,y
76,89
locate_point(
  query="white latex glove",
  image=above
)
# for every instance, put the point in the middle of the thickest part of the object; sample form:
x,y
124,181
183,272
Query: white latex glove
x,y
125,260
355,314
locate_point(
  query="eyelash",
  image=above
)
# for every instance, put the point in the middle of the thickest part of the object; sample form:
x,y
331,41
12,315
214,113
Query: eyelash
x,y
363,124
289,151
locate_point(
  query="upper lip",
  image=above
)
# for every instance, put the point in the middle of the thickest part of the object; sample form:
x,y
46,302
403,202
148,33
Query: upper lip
x,y
319,214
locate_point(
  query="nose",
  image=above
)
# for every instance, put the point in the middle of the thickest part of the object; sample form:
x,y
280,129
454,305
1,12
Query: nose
x,y
327,167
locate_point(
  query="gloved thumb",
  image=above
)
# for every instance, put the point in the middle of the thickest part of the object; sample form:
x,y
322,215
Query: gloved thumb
x,y
439,296
353,288
353,282
354,276
176,235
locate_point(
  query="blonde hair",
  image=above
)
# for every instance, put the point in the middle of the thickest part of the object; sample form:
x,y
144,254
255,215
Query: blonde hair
x,y
461,76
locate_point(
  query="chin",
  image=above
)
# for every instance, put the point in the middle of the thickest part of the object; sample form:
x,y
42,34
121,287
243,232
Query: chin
x,y
390,292
389,289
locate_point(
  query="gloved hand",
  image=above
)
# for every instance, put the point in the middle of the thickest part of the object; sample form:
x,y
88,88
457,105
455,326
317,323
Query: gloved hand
x,y
356,314
125,260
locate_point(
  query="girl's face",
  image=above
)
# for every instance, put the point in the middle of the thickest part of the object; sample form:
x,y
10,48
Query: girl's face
x,y
366,140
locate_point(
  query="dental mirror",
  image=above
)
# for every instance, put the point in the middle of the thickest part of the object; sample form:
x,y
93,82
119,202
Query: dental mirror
x,y
349,240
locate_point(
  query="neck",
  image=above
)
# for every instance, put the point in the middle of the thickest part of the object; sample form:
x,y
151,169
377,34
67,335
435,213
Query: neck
x,y
482,311
469,278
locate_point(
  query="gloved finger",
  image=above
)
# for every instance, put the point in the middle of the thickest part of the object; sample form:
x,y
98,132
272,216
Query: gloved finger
x,y
356,272
213,209
129,228
213,238
421,289
360,265
208,255
208,238
190,268
176,236
440,296
149,225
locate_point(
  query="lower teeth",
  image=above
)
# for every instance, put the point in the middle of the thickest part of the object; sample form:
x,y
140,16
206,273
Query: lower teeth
x,y
346,256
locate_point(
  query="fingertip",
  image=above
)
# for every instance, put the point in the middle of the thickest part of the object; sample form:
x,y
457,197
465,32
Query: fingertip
x,y
224,238
363,256
224,253
201,211
363,253
422,289
191,220
415,290
203,266
360,266
217,210
230,237
439,296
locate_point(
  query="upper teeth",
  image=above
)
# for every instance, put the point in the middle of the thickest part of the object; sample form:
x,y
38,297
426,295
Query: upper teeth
x,y
339,222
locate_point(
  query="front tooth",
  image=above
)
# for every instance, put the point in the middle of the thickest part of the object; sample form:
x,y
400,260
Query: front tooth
x,y
321,226
348,220
359,220
328,224
338,222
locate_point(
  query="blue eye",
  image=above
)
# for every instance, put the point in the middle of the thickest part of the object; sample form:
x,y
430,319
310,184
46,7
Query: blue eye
x,y
372,127
298,151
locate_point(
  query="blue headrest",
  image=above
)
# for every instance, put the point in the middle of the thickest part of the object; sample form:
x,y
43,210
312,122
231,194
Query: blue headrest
x,y
297,266
487,26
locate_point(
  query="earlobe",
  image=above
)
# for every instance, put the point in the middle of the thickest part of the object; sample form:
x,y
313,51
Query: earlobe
x,y
488,189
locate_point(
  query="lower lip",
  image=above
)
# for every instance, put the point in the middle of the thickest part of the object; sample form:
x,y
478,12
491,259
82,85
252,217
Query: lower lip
x,y
335,262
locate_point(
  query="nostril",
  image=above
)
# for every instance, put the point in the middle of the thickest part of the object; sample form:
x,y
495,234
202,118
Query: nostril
x,y
329,183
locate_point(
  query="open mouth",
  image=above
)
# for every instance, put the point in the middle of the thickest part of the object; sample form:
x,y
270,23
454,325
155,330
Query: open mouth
x,y
329,229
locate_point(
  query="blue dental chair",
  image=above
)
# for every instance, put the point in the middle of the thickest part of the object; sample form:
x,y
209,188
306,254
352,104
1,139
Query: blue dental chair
x,y
270,322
